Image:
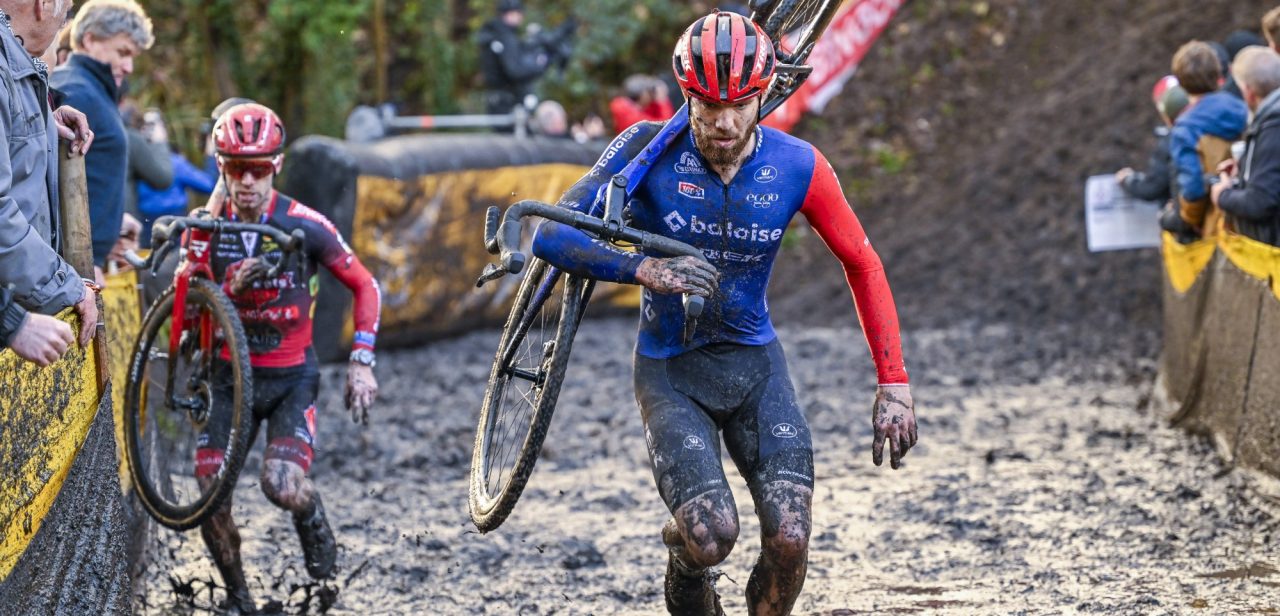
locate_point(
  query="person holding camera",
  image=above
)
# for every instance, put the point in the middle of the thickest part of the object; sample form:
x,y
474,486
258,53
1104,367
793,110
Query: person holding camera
x,y
511,65
643,98
1248,192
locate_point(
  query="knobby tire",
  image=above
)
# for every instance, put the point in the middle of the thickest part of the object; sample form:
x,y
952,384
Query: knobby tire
x,y
206,294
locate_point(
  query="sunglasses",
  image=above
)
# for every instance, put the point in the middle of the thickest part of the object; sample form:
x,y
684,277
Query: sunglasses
x,y
235,168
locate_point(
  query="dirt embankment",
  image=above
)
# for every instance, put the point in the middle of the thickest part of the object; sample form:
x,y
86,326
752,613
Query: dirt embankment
x,y
964,142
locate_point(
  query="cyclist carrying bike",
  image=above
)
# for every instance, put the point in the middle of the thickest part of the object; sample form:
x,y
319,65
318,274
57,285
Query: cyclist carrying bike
x,y
277,318
730,189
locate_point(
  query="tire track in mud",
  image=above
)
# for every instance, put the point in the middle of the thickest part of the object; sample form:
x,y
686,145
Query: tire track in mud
x,y
1041,484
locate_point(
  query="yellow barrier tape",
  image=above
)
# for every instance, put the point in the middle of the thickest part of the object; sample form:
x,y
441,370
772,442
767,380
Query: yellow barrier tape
x,y
1184,262
45,414
123,313
1257,259
421,238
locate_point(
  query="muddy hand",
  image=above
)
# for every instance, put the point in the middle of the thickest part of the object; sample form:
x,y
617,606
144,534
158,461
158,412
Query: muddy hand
x,y
251,269
893,418
361,391
678,275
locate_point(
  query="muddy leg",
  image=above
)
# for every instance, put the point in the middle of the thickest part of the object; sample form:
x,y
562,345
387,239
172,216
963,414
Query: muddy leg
x,y
223,540
784,510
286,484
700,535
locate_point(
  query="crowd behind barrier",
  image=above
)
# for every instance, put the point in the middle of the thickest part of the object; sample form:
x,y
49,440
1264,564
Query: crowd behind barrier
x,y
1217,167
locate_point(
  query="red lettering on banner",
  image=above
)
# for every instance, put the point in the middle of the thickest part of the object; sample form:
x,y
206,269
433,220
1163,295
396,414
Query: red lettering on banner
x,y
836,57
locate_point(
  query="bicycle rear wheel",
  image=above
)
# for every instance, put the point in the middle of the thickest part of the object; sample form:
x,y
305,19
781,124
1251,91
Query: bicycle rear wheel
x,y
793,24
172,405
523,386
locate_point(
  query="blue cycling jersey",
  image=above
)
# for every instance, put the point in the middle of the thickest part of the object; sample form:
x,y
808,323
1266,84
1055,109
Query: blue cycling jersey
x,y
738,226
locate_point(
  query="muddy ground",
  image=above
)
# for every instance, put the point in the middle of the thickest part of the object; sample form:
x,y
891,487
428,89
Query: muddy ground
x,y
1042,484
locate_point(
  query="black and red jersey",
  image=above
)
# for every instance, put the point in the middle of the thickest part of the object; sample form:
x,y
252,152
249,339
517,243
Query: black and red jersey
x,y
277,313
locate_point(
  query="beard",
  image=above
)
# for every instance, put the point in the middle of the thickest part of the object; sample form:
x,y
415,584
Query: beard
x,y
717,155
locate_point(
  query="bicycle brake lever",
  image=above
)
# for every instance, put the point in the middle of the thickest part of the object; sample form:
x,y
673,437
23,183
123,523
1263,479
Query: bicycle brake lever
x,y
492,271
693,305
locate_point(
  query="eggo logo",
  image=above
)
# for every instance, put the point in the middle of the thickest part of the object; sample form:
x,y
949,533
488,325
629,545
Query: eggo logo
x,y
763,200
766,174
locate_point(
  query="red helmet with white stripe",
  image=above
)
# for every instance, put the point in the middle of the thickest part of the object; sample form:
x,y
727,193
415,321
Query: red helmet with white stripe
x,y
249,130
724,58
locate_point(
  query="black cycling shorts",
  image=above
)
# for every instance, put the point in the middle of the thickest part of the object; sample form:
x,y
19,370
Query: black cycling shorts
x,y
284,397
744,391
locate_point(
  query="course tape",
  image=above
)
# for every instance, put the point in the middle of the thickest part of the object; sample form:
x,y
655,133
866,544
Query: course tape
x,y
45,414
1220,367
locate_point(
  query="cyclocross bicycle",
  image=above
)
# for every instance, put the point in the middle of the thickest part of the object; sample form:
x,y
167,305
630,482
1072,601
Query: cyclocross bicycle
x,y
169,397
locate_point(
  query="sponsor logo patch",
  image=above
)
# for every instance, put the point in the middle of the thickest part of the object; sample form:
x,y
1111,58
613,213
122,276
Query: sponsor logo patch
x,y
675,221
690,165
763,200
693,191
754,233
785,430
694,442
766,174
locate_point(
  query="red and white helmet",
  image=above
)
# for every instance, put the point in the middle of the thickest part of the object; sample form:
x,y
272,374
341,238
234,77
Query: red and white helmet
x,y
724,58
249,130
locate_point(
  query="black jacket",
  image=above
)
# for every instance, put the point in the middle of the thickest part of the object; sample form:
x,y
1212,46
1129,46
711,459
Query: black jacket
x,y
12,316
1155,184
1254,206
510,66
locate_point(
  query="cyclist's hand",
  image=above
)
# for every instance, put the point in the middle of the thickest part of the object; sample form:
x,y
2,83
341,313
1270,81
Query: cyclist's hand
x,y
893,418
362,389
1123,175
250,269
41,339
678,275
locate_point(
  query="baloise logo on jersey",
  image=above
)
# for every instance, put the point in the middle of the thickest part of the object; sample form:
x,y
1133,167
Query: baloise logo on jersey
x,y
754,233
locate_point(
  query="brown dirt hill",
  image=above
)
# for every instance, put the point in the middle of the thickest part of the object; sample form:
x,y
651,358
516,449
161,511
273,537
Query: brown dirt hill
x,y
964,142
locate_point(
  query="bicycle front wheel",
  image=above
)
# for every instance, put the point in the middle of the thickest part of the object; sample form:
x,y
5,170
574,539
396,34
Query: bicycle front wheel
x,y
523,386
188,413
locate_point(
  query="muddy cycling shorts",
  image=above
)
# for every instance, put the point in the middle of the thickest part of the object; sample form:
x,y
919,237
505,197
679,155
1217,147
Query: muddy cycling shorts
x,y
744,391
284,397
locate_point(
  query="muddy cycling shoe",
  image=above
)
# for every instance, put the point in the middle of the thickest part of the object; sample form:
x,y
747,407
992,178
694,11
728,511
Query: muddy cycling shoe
x,y
238,602
691,592
319,548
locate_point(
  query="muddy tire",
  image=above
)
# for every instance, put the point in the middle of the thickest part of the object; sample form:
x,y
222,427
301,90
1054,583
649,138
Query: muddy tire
x,y
160,436
793,26
524,384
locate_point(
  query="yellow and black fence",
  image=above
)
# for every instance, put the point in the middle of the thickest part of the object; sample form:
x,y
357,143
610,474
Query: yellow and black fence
x,y
1220,368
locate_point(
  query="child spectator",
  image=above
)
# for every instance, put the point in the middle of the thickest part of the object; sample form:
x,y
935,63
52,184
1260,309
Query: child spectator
x,y
1201,138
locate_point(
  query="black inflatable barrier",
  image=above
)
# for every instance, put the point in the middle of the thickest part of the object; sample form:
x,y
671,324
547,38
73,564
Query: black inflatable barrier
x,y
413,210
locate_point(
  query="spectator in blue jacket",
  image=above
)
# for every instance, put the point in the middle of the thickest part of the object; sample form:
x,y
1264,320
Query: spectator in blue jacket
x,y
1249,191
106,36
1200,139
170,200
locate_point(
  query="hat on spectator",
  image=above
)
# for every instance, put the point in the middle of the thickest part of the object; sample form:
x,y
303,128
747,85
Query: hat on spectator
x,y
1169,97
505,6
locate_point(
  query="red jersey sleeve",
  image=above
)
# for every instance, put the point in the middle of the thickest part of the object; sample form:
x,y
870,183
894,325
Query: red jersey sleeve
x,y
830,215
326,245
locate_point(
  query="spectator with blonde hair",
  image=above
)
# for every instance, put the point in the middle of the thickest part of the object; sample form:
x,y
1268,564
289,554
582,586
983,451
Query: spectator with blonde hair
x,y
1271,28
1249,191
106,37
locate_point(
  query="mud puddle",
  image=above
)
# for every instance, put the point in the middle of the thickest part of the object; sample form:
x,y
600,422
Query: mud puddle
x,y
1039,486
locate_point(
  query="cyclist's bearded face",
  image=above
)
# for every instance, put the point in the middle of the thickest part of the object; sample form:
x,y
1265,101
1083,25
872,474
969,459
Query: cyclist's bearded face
x,y
722,132
249,181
